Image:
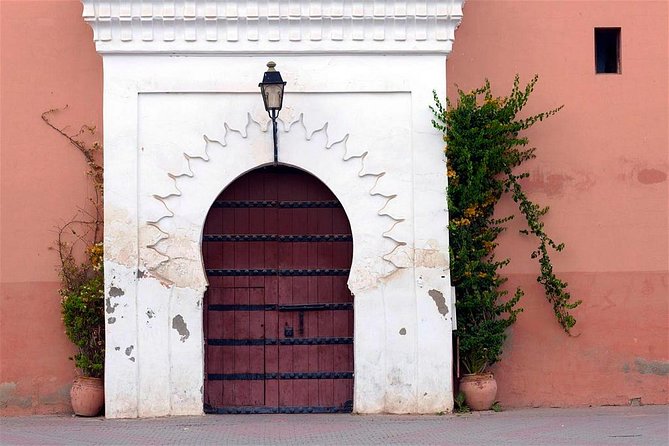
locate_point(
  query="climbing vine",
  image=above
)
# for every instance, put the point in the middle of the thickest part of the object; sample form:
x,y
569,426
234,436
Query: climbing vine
x,y
484,148
82,282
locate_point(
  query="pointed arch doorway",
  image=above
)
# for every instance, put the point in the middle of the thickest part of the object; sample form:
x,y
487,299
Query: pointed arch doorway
x,y
277,249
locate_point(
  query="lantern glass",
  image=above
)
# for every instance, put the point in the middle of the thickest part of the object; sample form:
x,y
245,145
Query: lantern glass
x,y
273,96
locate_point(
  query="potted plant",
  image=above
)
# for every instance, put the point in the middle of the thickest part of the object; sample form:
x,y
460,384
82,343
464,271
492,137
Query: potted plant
x,y
483,148
82,307
82,282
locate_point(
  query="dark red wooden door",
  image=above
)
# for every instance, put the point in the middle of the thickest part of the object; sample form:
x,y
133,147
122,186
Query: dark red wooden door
x,y
277,249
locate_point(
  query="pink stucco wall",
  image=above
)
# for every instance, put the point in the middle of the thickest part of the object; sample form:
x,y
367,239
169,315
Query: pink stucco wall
x,y
48,60
602,167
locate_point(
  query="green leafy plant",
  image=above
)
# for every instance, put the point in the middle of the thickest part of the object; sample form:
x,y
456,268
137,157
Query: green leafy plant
x,y
496,407
460,404
82,307
484,147
82,282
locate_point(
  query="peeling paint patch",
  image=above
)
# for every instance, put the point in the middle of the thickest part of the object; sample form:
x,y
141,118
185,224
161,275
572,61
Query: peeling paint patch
x,y
651,176
115,292
403,331
430,258
132,358
109,307
58,397
128,350
150,314
554,183
180,326
111,320
660,368
9,398
117,348
140,274
6,391
440,301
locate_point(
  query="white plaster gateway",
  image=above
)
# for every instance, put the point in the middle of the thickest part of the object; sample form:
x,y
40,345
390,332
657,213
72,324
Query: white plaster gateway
x,y
183,118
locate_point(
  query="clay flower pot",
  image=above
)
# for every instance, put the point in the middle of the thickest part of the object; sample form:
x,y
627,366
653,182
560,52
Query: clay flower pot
x,y
87,396
480,390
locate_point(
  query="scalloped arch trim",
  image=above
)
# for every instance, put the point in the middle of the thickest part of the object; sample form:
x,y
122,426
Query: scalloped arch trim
x,y
165,234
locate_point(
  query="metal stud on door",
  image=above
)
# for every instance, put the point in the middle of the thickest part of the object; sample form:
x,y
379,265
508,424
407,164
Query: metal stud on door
x,y
277,247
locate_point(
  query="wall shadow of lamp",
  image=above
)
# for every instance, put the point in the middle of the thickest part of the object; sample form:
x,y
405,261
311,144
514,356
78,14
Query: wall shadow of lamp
x,y
271,88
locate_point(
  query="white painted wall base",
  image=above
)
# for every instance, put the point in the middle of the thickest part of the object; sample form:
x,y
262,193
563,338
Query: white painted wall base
x,y
180,128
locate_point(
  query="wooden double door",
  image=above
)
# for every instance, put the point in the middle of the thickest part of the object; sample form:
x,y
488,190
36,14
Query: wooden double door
x,y
277,249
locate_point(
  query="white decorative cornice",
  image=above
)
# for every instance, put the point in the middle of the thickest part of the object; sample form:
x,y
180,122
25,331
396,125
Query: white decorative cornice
x,y
276,26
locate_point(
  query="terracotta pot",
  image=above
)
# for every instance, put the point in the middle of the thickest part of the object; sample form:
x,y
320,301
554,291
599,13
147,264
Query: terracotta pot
x,y
87,396
480,390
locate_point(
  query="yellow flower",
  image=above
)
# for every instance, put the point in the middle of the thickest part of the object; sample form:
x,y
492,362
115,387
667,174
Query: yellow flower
x,y
471,211
461,221
96,253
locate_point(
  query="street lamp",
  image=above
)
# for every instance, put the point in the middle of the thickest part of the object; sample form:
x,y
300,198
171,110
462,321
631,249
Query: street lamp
x,y
271,88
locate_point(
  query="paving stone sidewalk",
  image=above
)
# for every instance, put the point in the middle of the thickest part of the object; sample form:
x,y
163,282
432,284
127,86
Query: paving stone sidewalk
x,y
646,425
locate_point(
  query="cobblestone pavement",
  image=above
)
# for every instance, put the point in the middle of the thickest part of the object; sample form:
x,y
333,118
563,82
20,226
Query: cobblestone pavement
x,y
647,425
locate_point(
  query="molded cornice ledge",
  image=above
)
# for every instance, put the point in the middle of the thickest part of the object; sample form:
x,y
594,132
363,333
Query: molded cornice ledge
x,y
274,26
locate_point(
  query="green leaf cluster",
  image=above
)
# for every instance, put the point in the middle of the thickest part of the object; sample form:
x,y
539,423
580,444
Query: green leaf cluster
x,y
82,308
459,403
484,145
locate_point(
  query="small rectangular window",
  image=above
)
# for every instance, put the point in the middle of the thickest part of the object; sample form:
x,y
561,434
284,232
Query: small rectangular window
x,y
607,50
